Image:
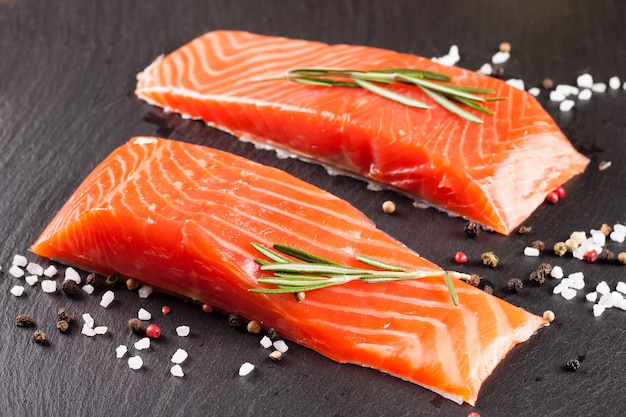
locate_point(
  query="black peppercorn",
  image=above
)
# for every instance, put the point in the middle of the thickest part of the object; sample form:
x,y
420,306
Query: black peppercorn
x,y
537,277
607,255
70,287
40,337
91,279
135,325
111,280
272,333
515,285
63,325
539,245
488,289
234,320
64,314
524,230
471,229
24,320
544,268
572,365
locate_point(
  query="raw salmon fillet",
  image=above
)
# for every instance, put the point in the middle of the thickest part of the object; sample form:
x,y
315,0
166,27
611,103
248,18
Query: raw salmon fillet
x,y
496,173
182,218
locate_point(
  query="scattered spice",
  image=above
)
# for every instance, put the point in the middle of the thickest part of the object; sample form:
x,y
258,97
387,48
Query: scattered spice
x,y
560,191
40,337
559,248
91,279
552,197
299,296
538,244
276,355
604,165
207,308
460,258
473,414
537,277
111,280
70,287
607,255
621,257
549,315
547,84
135,325
488,289
63,326
505,47
64,314
153,331
234,320
515,285
389,207
471,229
273,334
544,268
572,244
165,310
474,280
497,71
253,327
490,259
524,230
132,284
606,229
24,320
590,256
572,365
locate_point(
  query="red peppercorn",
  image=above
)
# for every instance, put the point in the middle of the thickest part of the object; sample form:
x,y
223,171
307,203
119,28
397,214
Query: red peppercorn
x,y
153,331
165,310
552,197
460,258
473,414
591,256
560,191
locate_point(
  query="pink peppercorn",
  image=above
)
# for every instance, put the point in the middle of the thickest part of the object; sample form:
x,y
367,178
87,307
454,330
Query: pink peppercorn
x,y
153,331
591,256
552,197
165,310
560,191
460,258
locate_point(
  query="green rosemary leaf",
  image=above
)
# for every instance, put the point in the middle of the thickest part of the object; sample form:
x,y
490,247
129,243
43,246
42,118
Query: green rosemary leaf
x,y
287,290
441,88
471,104
321,72
376,263
467,89
400,98
303,255
288,282
429,75
323,82
261,261
276,257
314,269
495,98
450,285
451,107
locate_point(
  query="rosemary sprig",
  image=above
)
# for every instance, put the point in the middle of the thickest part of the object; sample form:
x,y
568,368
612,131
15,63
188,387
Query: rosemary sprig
x,y
436,86
296,271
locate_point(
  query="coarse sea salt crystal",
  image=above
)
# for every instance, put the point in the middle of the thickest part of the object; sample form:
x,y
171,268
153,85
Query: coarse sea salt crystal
x,y
88,330
89,321
566,105
568,293
598,87
557,272
179,356
606,301
500,57
577,283
517,83
534,91
617,237
592,297
31,280
619,228
88,288
34,269
177,371
100,329
584,81
145,291
598,310
48,286
556,96
598,237
622,304
120,351
50,271
558,289
183,331
144,314
624,86
568,90
107,299
16,271
142,344
19,260
135,362
585,94
621,287
614,83
266,342
245,369
616,297
603,288
281,346
530,251
72,274
486,69
17,290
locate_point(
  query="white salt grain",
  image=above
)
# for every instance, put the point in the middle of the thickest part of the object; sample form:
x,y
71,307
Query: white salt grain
x,y
584,81
451,58
179,356
619,228
281,346
568,293
603,288
177,371
534,91
598,237
617,237
500,57
107,299
592,296
266,342
621,287
598,87
72,274
183,331
31,280
100,329
557,272
135,362
585,94
517,83
19,260
614,83
245,369
566,105
50,271
48,286
16,271
556,96
530,251
120,351
622,304
145,291
486,69
624,86
17,290
616,298
34,269
88,288
577,282
606,301
558,289
88,330
88,319
142,344
567,90
144,314
598,310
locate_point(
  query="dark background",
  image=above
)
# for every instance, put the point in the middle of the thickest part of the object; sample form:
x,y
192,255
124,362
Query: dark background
x,y
67,74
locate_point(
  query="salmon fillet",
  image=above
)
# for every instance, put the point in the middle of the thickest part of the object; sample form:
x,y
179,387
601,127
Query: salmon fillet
x,y
182,218
496,173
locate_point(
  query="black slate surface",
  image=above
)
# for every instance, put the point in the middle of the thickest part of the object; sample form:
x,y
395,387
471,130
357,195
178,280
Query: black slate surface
x,y
67,73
